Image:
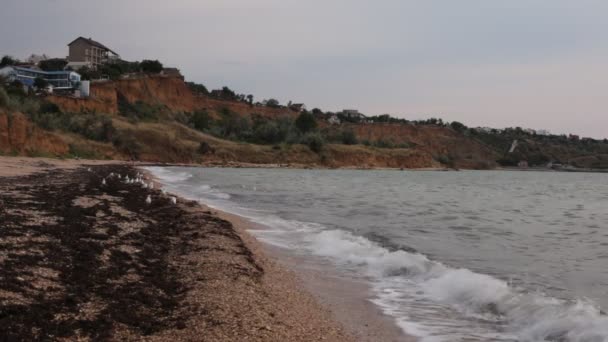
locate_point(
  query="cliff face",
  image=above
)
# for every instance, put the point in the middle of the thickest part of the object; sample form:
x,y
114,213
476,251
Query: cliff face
x,y
440,142
429,146
19,136
169,92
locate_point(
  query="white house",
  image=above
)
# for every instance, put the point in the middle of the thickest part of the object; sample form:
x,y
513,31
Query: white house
x,y
57,79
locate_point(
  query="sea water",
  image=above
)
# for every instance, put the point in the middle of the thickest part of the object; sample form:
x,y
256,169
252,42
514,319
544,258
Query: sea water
x,y
451,256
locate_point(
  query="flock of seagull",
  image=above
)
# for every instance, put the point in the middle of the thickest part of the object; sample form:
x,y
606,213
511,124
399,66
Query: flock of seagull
x,y
139,179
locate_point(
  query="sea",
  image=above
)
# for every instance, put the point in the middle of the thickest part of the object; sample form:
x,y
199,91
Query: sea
x,y
449,256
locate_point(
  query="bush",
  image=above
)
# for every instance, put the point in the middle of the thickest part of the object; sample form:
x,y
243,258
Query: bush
x,y
151,66
268,133
306,122
231,125
127,144
314,141
49,107
348,137
200,120
139,110
446,160
384,143
205,148
98,127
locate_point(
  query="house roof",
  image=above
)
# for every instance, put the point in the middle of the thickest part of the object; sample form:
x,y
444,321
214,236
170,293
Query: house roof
x,y
94,43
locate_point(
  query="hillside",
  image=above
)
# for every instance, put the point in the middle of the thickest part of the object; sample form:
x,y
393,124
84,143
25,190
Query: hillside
x,y
160,119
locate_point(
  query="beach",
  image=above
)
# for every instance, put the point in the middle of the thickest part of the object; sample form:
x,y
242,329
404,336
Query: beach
x,y
84,260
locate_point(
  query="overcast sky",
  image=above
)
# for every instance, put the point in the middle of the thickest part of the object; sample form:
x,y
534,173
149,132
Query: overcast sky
x,y
540,64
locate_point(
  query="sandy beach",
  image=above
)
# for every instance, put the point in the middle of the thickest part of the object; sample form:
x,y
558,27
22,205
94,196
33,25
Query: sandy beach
x,y
80,260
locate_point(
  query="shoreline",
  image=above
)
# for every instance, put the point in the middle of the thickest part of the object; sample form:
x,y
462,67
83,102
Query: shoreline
x,y
183,272
348,300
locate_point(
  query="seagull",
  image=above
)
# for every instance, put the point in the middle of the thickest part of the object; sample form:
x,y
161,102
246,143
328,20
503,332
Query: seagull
x,y
173,200
151,186
163,191
144,185
89,169
103,182
148,199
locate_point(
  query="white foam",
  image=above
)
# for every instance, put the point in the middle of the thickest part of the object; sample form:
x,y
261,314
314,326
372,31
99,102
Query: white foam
x,y
168,175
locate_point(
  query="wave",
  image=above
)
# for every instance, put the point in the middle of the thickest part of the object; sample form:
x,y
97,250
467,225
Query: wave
x,y
413,277
427,298
167,175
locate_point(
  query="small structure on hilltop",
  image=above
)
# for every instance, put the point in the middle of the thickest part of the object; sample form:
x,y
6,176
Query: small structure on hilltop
x,y
172,72
297,107
86,51
352,113
513,146
333,119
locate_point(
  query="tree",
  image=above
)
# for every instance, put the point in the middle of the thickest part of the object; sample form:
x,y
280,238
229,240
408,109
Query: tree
x,y
151,66
458,127
228,93
53,64
8,60
197,88
87,74
273,103
40,83
306,122
250,98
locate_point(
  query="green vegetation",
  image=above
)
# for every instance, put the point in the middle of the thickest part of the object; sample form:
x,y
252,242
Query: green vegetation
x,y
96,127
306,123
314,141
151,66
140,111
53,64
8,60
197,88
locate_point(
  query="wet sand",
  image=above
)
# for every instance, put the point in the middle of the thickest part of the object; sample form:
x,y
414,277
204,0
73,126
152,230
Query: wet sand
x,y
80,260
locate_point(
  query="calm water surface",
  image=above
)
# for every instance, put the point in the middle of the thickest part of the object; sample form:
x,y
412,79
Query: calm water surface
x,y
452,256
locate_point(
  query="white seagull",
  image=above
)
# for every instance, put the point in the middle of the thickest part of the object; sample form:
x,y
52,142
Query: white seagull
x,y
148,199
103,182
173,200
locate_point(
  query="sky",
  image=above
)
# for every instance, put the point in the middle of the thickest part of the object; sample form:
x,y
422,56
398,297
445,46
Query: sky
x,y
540,64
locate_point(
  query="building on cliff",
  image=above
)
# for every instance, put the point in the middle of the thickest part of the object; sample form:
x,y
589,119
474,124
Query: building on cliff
x,y
60,80
87,51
